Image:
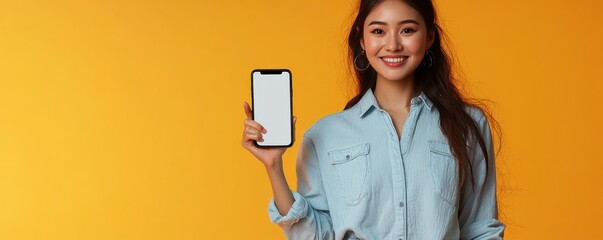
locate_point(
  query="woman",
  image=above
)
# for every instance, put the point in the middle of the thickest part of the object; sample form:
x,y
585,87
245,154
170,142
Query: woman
x,y
408,158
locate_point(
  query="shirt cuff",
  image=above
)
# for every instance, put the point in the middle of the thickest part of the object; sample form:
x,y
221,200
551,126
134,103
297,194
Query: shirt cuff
x,y
298,210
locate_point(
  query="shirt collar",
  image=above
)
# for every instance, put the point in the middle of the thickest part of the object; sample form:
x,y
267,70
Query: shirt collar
x,y
369,101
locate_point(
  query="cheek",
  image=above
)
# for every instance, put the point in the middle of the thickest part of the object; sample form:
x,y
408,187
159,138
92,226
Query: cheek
x,y
414,45
371,45
371,50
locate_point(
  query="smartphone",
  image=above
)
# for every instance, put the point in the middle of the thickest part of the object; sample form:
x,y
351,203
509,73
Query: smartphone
x,y
272,104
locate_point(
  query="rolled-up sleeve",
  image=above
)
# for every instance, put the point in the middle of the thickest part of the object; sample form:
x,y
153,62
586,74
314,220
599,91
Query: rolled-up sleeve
x,y
309,216
478,213
298,210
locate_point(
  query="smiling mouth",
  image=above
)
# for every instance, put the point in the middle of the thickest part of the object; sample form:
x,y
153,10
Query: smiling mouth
x,y
394,60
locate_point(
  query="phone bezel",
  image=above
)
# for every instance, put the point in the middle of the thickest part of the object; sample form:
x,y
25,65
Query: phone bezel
x,y
275,71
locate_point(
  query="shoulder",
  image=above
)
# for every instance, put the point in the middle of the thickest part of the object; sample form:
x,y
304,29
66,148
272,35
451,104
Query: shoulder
x,y
481,119
332,123
477,114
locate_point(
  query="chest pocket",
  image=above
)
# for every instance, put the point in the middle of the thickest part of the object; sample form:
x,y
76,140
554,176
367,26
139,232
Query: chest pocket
x,y
351,165
443,171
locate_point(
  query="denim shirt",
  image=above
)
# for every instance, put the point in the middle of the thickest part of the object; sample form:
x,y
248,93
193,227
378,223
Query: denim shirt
x,y
358,180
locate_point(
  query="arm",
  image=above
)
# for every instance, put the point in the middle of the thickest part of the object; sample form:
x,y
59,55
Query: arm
x,y
478,213
308,216
283,197
309,211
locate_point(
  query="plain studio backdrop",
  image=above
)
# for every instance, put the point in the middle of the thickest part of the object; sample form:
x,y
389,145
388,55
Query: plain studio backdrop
x,y
123,119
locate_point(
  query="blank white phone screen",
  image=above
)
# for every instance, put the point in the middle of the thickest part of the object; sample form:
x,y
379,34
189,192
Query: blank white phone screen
x,y
272,106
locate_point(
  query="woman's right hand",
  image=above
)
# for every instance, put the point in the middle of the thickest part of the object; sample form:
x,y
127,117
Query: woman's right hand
x,y
253,131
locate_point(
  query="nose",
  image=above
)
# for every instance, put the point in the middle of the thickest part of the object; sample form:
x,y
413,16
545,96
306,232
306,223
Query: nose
x,y
393,43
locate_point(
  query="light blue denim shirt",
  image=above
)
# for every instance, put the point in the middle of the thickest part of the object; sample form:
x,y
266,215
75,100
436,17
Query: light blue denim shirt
x,y
358,180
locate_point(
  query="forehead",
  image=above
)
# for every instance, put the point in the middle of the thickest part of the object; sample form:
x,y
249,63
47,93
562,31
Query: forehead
x,y
393,11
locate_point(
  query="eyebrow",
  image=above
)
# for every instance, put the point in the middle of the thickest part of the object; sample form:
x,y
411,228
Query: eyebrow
x,y
399,23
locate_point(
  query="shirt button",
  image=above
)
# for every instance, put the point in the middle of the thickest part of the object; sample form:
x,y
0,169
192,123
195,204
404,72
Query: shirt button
x,y
347,157
401,204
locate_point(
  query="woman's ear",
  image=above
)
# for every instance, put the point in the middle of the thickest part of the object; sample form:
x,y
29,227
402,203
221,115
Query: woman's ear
x,y
430,38
361,39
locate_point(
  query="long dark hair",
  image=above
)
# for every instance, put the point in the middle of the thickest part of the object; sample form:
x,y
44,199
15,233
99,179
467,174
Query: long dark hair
x,y
437,83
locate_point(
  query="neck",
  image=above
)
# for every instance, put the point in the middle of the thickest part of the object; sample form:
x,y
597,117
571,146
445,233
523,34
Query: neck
x,y
395,95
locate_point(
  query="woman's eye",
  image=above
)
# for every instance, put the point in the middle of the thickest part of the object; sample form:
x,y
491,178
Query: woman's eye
x,y
377,31
408,30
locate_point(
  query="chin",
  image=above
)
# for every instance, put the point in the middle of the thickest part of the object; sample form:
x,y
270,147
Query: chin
x,y
395,75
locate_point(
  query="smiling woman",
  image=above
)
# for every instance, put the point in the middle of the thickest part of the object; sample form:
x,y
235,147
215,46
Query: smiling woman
x,y
409,157
116,120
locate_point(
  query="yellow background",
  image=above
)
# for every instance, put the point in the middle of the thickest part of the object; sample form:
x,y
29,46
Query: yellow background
x,y
123,119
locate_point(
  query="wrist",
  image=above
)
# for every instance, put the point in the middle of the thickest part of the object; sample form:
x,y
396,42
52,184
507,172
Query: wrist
x,y
276,166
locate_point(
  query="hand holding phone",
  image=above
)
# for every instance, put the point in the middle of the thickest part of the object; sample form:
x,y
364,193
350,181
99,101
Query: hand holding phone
x,y
253,132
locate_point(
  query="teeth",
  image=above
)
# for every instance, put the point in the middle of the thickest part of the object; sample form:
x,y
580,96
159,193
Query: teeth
x,y
394,60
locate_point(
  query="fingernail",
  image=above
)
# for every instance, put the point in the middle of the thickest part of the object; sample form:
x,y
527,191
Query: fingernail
x,y
264,131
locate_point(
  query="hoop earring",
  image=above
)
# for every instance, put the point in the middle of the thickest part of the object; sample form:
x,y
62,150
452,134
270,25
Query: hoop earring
x,y
356,65
429,63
